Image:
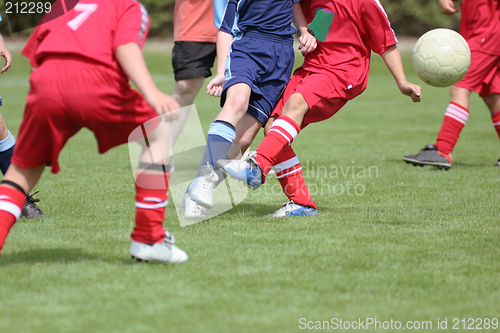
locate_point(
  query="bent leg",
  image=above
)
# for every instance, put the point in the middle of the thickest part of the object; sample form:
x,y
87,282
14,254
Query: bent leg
x,y
282,133
246,131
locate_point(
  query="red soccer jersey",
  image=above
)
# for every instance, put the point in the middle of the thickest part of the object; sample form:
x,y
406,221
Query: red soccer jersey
x,y
92,30
480,25
358,27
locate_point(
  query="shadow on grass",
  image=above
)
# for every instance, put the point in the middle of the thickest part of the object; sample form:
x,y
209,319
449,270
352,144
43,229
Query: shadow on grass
x,y
255,210
434,168
46,256
63,257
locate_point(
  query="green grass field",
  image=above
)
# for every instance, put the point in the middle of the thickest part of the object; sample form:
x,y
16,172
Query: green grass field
x,y
393,243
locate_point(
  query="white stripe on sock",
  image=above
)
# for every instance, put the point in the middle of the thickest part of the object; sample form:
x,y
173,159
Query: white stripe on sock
x,y
151,206
11,208
289,173
287,164
281,133
457,118
286,126
458,112
153,199
459,109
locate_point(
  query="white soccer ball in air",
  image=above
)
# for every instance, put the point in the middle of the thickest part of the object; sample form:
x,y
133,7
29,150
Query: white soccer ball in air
x,y
441,57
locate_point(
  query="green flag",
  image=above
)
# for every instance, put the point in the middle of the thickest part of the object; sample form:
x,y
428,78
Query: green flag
x,y
321,24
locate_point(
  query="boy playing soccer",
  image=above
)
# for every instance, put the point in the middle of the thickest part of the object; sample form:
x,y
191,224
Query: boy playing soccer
x,y
83,62
255,59
480,27
194,50
336,72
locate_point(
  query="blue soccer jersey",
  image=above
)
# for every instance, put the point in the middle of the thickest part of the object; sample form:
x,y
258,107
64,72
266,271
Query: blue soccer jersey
x,y
266,16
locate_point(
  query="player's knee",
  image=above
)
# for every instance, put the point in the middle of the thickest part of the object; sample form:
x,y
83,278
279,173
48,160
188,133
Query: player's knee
x,y
459,93
238,103
245,142
185,87
296,105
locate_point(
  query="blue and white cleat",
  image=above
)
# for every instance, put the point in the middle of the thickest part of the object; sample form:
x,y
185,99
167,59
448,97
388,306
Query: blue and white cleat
x,y
293,209
245,170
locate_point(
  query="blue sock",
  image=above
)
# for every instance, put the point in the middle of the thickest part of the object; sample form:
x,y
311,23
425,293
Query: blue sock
x,y
6,150
220,137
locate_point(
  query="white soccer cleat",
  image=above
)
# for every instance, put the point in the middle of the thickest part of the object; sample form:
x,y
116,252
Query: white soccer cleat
x,y
192,208
293,209
201,189
165,252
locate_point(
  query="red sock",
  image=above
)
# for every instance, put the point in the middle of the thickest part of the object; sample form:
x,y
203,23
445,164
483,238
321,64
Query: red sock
x,y
495,117
289,173
455,119
281,135
151,202
11,206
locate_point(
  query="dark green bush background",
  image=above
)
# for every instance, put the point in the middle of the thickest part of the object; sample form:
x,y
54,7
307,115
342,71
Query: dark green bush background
x,y
408,17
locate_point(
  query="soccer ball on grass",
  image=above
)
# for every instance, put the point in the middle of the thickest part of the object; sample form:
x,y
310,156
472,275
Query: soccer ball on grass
x,y
441,57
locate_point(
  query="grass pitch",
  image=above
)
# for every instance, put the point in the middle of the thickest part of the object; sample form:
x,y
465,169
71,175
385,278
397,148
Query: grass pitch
x,y
391,241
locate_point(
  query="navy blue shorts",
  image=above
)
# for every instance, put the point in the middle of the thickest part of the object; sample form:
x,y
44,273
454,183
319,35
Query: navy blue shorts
x,y
265,64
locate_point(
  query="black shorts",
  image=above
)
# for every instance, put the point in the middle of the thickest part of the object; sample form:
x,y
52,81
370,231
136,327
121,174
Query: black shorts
x,y
192,59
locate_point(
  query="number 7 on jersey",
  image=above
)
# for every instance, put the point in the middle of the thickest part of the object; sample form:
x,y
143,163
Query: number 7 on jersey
x,y
86,10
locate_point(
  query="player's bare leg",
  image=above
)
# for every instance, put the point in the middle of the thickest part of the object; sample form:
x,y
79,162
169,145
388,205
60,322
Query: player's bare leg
x,y
296,108
236,105
221,134
282,133
246,131
460,96
493,103
24,177
455,118
186,90
150,241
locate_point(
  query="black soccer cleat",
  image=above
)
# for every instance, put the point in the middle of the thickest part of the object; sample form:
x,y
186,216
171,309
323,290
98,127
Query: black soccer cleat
x,y
498,163
30,209
430,155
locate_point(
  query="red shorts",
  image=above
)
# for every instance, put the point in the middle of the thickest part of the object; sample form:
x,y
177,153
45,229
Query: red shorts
x,y
66,95
317,89
483,76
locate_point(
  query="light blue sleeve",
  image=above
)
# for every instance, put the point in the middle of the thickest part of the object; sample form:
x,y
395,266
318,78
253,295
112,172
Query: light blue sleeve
x,y
224,14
